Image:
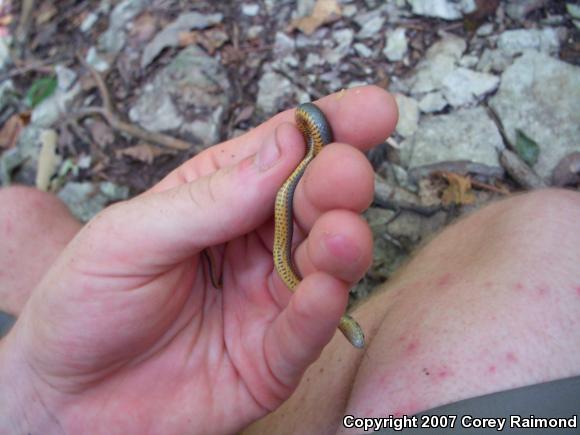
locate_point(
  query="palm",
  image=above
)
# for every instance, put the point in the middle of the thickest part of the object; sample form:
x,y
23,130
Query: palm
x,y
201,346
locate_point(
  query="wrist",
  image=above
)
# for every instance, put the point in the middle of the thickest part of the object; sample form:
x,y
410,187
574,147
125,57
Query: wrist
x,y
23,407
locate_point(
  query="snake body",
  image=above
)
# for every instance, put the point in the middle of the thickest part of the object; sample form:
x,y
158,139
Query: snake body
x,y
317,133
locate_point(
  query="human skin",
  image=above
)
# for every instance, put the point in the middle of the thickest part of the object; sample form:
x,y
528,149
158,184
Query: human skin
x,y
124,332
492,303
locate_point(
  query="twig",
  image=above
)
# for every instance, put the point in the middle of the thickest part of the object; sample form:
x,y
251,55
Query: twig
x,y
24,24
520,171
108,113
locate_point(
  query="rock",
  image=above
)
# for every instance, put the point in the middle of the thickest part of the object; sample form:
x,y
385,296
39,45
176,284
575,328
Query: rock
x,y
408,115
87,199
513,42
396,46
541,96
464,86
573,10
468,134
371,28
312,60
155,111
5,59
518,9
445,9
362,50
88,22
206,130
65,77
9,160
493,61
273,89
432,102
283,44
169,37
96,61
251,10
7,93
52,108
113,39
343,39
484,30
439,61
195,84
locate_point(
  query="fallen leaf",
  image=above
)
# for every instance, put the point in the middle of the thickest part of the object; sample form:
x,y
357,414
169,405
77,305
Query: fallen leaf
x,y
324,12
526,148
11,131
47,159
40,90
458,191
143,152
45,12
143,28
101,133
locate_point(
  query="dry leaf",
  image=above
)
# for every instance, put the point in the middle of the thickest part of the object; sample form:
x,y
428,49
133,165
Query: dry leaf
x,y
459,189
188,38
101,133
143,152
11,131
324,12
47,160
45,12
143,29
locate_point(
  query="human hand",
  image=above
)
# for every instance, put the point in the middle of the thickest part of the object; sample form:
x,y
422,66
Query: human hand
x,y
126,334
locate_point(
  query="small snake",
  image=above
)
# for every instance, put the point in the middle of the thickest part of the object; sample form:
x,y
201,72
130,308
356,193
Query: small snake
x,y
316,130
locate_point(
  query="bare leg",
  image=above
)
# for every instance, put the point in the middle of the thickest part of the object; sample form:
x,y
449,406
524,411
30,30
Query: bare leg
x,y
491,304
34,228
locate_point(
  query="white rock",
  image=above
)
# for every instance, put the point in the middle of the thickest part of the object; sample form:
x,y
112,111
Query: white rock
x,y
251,9
272,87
396,46
540,95
96,61
445,9
464,86
573,10
468,134
432,102
408,115
5,59
89,22
371,28
517,41
362,50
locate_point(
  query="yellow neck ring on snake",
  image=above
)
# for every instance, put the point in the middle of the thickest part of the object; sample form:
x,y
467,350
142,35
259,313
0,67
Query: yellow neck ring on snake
x,y
317,133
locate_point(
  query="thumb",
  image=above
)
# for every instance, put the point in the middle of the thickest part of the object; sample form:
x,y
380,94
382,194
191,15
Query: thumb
x,y
174,224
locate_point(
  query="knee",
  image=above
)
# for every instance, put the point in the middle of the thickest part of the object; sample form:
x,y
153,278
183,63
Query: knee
x,y
542,211
22,204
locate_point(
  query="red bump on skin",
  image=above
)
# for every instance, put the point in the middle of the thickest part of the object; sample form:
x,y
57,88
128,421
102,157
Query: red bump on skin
x,y
412,347
511,357
491,369
519,286
487,284
543,290
578,291
444,280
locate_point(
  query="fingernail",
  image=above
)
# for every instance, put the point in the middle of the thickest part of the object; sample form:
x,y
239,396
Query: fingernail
x,y
269,153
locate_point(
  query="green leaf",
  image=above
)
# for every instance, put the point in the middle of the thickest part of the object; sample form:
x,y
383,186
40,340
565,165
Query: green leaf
x,y
40,90
526,148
